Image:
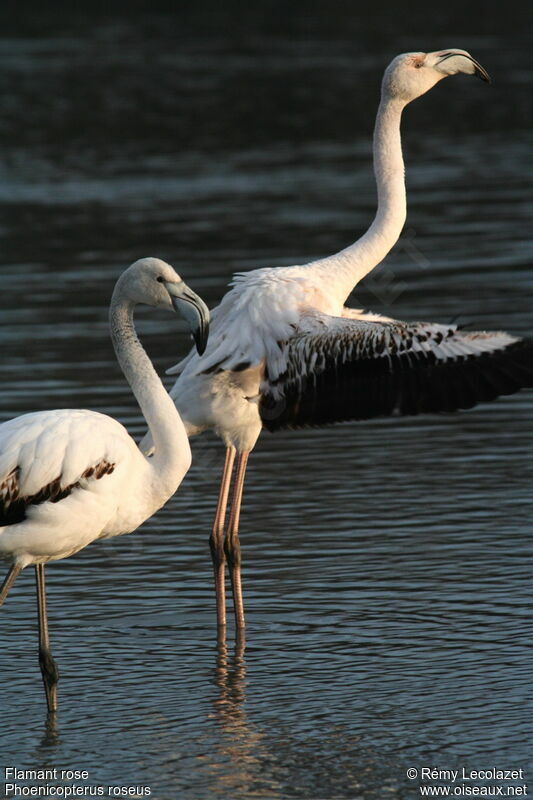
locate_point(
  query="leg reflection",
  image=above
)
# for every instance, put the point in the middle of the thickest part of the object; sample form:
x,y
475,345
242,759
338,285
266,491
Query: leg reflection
x,y
230,677
239,755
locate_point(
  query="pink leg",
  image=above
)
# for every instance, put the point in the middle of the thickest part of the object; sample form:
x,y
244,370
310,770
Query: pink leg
x,y
232,545
216,541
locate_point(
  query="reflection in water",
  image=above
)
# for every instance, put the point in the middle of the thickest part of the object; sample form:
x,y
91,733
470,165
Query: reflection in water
x,y
238,745
51,732
230,676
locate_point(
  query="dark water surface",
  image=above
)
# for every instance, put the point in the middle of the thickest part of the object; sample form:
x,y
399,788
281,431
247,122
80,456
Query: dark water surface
x,y
387,565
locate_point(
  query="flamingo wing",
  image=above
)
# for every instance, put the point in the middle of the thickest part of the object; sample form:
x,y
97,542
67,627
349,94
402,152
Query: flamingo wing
x,y
45,456
361,366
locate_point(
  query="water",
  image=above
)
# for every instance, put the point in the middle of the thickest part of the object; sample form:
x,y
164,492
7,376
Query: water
x,y
386,567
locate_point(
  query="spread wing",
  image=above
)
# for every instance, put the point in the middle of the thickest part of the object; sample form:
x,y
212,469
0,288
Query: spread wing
x,y
346,368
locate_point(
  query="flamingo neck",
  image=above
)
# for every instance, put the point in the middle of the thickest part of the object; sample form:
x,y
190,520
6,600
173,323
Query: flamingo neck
x,y
346,268
172,456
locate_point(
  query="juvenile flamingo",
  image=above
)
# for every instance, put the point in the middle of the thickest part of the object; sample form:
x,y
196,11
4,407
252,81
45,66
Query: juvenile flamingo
x,y
285,352
68,477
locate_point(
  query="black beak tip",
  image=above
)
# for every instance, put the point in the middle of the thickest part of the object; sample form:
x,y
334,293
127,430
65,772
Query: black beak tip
x,y
481,73
200,340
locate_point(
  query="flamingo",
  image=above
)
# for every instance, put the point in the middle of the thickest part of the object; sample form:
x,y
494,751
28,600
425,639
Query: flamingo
x,y
68,477
285,352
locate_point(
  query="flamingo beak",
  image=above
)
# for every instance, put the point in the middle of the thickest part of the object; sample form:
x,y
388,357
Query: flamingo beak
x,y
452,61
194,311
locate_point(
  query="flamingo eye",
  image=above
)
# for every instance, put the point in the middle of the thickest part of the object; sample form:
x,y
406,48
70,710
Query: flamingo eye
x,y
160,279
418,65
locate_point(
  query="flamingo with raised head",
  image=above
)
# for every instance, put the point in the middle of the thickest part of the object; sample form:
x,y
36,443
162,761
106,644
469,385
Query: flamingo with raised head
x,y
285,352
68,477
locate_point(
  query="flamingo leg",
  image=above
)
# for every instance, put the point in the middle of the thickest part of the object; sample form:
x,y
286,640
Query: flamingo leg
x,y
232,545
11,577
47,664
216,540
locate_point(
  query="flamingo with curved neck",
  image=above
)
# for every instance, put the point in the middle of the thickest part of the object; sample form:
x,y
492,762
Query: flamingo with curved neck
x,y
68,477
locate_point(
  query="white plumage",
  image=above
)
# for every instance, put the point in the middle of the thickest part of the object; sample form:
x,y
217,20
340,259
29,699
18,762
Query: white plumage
x,y
274,334
285,351
68,477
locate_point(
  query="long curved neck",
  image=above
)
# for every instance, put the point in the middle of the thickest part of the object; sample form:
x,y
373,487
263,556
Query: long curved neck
x,y
172,450
350,265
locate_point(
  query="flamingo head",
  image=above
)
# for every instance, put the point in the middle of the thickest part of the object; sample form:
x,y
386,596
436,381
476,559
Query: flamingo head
x,y
410,75
153,282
